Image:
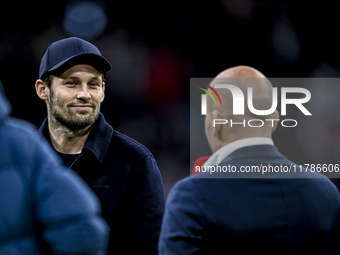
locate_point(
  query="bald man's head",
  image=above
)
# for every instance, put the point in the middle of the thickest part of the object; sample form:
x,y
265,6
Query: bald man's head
x,y
240,72
243,77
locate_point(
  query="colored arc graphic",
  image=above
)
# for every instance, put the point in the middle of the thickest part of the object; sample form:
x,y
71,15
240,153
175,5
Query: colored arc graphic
x,y
209,94
218,96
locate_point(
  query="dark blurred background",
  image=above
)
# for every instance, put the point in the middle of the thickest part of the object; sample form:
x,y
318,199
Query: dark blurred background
x,y
156,46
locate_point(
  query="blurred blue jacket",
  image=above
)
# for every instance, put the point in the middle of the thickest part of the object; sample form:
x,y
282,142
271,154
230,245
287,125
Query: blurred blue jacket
x,y
41,203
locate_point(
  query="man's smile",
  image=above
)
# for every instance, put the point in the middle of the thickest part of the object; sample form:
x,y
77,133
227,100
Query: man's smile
x,y
81,107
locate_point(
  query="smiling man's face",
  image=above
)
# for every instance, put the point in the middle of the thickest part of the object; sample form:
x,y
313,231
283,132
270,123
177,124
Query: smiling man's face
x,y
75,97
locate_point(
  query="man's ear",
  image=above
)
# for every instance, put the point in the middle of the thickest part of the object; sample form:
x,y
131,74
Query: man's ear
x,y
218,127
275,123
103,92
42,89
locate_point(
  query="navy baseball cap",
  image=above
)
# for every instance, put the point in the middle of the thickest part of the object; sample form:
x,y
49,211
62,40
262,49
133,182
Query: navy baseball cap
x,y
69,52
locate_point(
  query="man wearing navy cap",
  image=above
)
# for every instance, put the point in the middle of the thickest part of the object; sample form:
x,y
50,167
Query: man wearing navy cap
x,y
122,172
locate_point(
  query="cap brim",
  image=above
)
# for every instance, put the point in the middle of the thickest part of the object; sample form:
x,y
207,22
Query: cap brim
x,y
97,61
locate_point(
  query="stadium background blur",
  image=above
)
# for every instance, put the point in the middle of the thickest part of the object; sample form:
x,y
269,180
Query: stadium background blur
x,y
155,47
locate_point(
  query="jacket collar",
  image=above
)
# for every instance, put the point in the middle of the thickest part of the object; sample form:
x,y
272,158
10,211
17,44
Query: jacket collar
x,y
98,140
228,149
257,153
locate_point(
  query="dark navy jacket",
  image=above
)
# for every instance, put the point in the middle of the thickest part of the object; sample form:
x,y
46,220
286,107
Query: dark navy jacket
x,y
125,177
42,203
276,215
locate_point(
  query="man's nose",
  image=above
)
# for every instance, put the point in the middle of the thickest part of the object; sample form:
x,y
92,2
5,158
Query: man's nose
x,y
83,93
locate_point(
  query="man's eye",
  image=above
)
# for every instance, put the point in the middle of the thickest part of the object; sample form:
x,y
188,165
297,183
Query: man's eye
x,y
70,83
94,84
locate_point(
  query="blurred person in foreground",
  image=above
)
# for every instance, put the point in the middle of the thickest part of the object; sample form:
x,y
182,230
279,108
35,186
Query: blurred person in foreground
x,y
43,205
121,171
243,213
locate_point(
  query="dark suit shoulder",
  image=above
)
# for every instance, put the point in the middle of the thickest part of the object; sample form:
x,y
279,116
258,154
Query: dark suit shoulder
x,y
186,196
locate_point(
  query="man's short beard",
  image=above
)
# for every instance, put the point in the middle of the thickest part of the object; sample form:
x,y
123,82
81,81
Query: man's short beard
x,y
69,120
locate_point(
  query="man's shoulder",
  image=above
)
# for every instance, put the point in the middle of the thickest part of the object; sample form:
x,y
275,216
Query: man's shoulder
x,y
193,184
126,144
17,130
23,146
120,143
17,140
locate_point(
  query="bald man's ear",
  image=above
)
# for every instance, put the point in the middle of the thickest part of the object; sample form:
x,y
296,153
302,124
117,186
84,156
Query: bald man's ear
x,y
218,127
276,122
